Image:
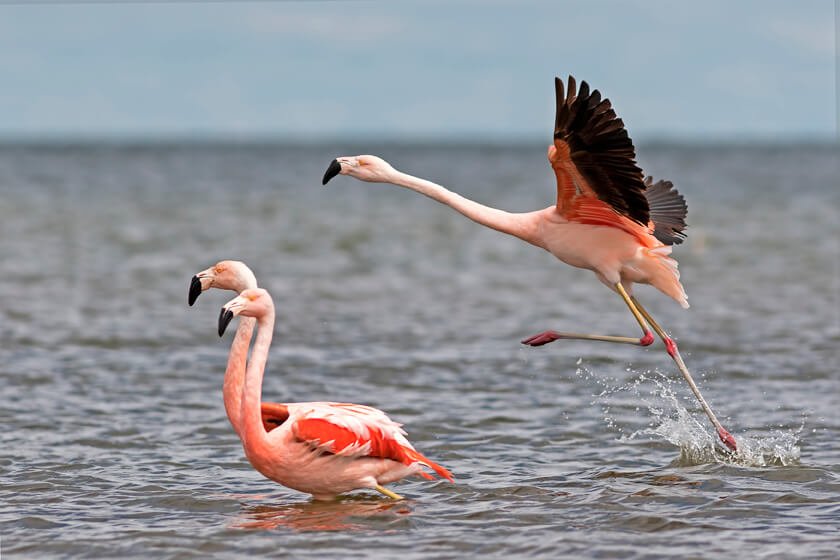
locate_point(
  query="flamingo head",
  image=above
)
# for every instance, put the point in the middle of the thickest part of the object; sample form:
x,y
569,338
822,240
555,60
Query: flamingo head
x,y
253,302
224,275
364,168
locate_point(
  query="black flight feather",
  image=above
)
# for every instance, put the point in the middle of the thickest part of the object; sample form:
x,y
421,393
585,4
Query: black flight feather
x,y
600,148
667,210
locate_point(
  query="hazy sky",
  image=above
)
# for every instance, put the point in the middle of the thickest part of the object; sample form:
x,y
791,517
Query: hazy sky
x,y
406,69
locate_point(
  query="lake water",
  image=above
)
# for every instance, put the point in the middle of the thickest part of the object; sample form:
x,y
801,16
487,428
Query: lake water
x,y
115,442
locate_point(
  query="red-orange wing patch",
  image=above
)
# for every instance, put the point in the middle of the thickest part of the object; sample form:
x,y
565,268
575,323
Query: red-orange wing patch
x,y
596,212
368,442
328,436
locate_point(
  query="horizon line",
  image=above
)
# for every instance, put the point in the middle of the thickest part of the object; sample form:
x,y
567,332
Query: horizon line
x,y
34,139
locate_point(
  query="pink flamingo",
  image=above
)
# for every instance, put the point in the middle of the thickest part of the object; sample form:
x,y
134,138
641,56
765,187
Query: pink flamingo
x,y
321,448
607,217
236,276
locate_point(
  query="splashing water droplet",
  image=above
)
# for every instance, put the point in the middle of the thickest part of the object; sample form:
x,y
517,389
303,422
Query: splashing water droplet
x,y
672,422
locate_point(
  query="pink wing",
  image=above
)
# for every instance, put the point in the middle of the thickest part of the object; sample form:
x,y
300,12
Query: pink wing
x,y
356,431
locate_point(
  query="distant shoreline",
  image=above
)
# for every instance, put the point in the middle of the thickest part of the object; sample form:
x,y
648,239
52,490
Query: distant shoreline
x,y
366,143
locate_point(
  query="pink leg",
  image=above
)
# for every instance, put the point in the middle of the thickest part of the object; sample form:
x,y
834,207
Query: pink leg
x,y
643,318
674,352
551,336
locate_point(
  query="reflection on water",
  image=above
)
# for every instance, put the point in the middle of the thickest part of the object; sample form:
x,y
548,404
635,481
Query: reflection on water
x,y
348,513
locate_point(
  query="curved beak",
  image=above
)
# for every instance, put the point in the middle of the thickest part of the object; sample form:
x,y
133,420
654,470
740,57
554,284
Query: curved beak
x,y
333,170
195,290
225,317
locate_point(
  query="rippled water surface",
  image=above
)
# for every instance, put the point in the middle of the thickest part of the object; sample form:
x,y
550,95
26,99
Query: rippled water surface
x,y
115,441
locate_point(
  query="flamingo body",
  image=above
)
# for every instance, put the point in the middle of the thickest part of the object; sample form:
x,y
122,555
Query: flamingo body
x,y
613,253
321,448
326,449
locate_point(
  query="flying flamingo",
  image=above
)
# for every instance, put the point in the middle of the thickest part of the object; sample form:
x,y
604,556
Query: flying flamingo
x,y
321,448
236,276
607,218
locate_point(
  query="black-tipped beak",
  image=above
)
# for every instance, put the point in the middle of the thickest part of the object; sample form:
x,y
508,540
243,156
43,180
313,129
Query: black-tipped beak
x,y
333,170
225,317
195,290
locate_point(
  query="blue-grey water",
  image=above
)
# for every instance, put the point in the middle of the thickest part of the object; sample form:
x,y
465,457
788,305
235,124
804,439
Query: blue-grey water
x,y
114,440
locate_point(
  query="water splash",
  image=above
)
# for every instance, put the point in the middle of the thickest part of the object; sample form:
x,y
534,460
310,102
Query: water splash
x,y
672,422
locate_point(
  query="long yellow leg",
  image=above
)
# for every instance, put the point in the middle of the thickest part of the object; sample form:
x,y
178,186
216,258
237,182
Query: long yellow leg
x,y
643,318
674,352
392,495
629,301
659,330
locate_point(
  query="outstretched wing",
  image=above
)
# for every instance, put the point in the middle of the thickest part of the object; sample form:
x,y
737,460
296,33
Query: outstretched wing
x,y
593,156
356,431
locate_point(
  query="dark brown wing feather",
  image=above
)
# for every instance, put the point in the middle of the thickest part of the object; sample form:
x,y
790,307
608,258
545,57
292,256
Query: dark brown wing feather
x,y
600,149
667,211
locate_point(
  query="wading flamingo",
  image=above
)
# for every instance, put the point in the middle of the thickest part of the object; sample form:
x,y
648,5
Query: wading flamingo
x,y
607,218
236,276
321,448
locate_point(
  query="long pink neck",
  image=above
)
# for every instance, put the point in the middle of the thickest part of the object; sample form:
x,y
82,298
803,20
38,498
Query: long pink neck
x,y
253,432
235,372
521,225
